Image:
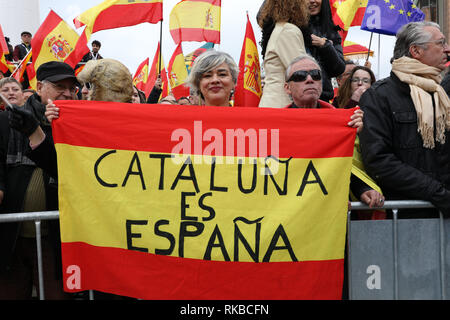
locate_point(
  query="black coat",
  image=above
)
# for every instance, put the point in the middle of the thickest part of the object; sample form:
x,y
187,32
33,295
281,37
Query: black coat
x,y
392,149
330,56
14,180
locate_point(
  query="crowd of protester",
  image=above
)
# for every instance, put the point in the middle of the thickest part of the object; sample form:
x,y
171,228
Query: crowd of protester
x,y
403,121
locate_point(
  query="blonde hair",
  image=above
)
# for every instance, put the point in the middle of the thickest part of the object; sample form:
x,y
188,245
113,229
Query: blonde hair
x,y
110,80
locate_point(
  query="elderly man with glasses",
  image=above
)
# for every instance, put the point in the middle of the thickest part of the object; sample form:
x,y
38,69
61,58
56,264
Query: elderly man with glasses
x,y
304,86
27,188
406,139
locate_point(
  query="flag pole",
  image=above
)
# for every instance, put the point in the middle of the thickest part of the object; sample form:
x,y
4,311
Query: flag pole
x,y
160,46
370,44
20,64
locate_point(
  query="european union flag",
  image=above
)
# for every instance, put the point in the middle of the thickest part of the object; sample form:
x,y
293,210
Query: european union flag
x,y
388,16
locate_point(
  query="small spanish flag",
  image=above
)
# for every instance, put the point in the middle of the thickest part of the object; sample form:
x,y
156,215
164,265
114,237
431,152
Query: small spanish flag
x,y
248,88
55,40
218,204
141,76
112,14
157,68
178,74
196,20
5,65
18,74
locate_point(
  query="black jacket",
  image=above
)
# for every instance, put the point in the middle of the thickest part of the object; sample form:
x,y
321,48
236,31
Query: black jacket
x,y
14,180
330,56
392,149
446,83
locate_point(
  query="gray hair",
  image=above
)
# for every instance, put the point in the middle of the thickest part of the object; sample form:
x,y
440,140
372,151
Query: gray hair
x,y
410,34
208,61
299,58
7,80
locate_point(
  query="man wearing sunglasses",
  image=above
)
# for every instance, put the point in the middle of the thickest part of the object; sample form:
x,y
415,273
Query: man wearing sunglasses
x,y
406,139
304,86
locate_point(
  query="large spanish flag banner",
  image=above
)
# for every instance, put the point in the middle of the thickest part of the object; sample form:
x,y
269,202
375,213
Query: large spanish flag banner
x,y
112,14
248,88
55,40
178,74
195,20
348,13
220,203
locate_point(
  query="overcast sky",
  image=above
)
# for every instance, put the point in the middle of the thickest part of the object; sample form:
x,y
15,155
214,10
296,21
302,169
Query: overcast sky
x,y
132,45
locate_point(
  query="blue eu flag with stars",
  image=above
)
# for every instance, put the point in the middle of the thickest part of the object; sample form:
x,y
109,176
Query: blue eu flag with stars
x,y
388,16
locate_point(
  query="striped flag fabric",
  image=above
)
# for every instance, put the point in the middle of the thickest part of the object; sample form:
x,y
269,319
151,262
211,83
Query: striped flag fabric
x,y
195,20
157,68
112,14
185,210
5,65
140,78
347,13
55,40
18,74
178,74
248,88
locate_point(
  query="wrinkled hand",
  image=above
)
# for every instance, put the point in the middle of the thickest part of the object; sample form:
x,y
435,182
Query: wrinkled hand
x,y
356,120
372,198
51,111
23,120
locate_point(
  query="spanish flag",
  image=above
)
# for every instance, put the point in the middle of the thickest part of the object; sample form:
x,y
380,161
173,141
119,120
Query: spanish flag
x,y
18,73
141,76
157,68
190,58
5,65
112,14
179,203
55,40
348,13
248,89
195,20
178,74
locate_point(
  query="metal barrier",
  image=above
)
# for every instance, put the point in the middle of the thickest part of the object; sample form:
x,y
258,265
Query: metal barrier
x,y
398,258
353,277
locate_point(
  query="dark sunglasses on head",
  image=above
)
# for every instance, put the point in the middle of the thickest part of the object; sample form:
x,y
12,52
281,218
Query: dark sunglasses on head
x,y
300,76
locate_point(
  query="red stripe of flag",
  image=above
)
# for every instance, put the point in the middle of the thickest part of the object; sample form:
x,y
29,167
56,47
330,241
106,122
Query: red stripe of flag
x,y
164,121
208,280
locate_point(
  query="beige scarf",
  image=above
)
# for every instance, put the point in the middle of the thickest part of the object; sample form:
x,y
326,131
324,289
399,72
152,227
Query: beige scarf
x,y
423,80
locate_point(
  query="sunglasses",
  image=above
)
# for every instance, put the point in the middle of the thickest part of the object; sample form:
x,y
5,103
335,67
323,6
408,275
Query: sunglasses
x,y
300,76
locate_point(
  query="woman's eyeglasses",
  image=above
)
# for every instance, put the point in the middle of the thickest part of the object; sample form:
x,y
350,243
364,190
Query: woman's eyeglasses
x,y
300,76
363,80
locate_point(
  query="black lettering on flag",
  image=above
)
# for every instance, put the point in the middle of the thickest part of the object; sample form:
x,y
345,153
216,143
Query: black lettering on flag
x,y
97,176
162,157
305,181
240,185
191,176
268,173
211,244
167,235
131,235
135,173
254,254
273,245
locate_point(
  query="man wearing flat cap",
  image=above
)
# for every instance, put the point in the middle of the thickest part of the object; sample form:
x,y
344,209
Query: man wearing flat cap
x,y
24,187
